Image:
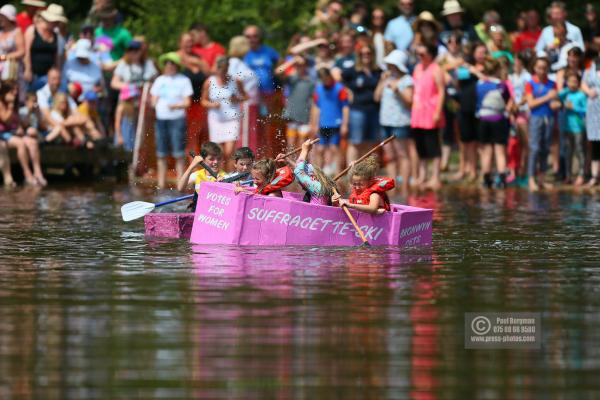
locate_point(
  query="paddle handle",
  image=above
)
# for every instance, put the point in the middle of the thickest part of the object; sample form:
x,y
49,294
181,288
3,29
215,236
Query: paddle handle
x,y
338,176
353,221
236,177
206,167
164,203
299,149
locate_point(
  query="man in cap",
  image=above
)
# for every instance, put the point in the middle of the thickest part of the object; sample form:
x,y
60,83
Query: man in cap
x,y
81,68
25,17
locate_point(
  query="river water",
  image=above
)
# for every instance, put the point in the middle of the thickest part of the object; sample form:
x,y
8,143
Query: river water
x,y
90,309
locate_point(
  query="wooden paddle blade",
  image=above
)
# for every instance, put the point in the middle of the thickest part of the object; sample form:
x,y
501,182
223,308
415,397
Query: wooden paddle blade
x,y
135,210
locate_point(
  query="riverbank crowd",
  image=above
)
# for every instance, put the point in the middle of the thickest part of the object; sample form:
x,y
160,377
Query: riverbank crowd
x,y
509,106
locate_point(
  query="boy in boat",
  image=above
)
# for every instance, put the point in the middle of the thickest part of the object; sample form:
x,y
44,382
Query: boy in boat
x,y
318,186
212,155
368,191
243,160
268,180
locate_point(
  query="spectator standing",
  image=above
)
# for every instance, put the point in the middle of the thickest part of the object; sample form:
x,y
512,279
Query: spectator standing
x,y
126,116
540,92
346,57
81,69
395,92
558,16
132,69
25,18
203,46
109,27
378,35
591,32
12,46
238,69
427,116
196,69
454,15
41,46
362,81
527,38
572,127
263,59
297,110
520,114
399,30
171,96
221,96
490,18
591,87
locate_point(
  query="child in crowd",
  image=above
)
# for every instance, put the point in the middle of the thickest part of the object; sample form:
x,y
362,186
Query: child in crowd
x,y
125,117
493,99
75,90
368,191
318,186
297,110
394,92
330,113
517,150
29,116
89,109
574,103
76,134
540,92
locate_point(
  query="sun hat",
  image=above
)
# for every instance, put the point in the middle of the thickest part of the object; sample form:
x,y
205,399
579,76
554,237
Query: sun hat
x,y
54,13
107,13
75,89
34,3
83,48
397,58
451,7
9,11
129,92
171,56
426,17
90,95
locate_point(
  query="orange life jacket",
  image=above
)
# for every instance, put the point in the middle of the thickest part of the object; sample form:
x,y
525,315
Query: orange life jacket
x,y
283,177
381,184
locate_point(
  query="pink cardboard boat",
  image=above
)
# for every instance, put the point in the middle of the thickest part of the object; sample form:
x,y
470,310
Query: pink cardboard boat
x,y
222,217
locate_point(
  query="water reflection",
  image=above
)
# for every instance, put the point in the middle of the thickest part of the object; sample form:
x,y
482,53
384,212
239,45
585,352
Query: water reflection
x,y
89,308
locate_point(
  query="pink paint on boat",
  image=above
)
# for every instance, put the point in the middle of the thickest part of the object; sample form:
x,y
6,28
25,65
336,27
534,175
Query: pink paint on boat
x,y
169,225
225,218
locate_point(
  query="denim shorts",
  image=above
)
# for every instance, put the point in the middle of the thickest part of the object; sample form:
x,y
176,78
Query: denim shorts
x,y
363,125
5,136
401,132
170,133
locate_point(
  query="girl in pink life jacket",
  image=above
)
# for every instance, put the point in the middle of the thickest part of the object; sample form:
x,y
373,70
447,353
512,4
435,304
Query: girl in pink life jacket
x,y
368,191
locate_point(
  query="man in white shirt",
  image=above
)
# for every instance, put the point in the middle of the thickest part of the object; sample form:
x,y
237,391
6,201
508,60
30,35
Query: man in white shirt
x,y
46,95
399,30
558,14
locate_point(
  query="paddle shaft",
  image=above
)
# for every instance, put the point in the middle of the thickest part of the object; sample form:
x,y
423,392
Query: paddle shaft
x,y
164,203
299,149
353,221
338,176
206,167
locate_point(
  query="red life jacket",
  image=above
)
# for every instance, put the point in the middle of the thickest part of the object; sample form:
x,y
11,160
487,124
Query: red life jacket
x,y
381,184
283,177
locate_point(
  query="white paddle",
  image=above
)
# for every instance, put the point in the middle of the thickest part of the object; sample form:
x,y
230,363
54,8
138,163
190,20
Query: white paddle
x,y
137,209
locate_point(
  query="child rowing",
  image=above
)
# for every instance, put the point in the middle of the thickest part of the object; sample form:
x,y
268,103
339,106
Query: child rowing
x,y
267,179
318,186
212,156
368,191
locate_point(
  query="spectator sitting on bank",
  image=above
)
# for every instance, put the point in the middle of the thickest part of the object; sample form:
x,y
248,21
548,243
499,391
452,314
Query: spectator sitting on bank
x,y
89,109
10,132
29,117
125,118
77,135
25,17
75,90
81,68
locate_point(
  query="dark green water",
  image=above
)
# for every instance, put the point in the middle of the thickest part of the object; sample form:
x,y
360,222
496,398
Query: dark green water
x,y
90,309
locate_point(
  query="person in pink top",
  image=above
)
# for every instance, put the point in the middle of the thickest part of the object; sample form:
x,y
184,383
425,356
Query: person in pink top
x,y
427,116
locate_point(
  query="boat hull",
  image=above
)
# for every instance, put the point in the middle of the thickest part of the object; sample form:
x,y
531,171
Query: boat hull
x,y
222,217
169,225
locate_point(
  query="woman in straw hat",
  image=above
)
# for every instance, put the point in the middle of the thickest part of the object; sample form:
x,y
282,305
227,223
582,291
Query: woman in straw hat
x,y
41,46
